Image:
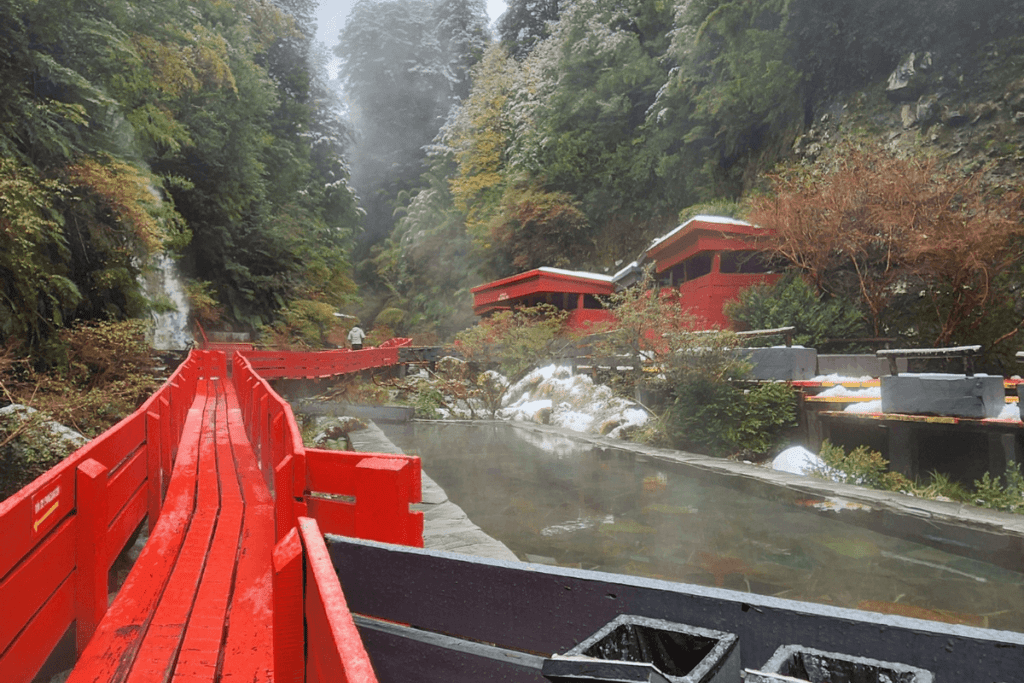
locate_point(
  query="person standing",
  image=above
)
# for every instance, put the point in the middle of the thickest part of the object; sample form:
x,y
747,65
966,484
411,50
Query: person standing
x,y
356,337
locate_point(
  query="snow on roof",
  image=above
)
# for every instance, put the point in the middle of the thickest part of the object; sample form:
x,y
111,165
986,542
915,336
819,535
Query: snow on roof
x,y
633,265
721,220
576,273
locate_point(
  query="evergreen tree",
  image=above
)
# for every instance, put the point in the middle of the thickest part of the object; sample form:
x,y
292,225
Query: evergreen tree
x,y
404,64
525,23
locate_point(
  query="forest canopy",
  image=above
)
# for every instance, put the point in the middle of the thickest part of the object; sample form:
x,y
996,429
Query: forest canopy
x,y
200,129
446,152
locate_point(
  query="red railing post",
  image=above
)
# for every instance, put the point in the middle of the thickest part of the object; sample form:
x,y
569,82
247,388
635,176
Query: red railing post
x,y
289,632
335,651
382,501
284,507
277,450
177,417
262,439
91,589
154,465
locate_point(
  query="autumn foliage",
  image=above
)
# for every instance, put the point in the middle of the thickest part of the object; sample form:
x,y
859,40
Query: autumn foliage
x,y
876,227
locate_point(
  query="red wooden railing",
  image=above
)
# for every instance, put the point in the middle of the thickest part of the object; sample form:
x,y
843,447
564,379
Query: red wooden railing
x,y
383,484
333,649
61,534
312,365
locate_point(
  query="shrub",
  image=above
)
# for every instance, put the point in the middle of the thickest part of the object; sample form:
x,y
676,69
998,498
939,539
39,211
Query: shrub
x,y
793,301
103,373
392,318
861,466
306,323
990,493
721,418
865,467
512,342
427,403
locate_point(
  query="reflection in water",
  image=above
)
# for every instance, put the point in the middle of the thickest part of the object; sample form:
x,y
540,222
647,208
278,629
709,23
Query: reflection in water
x,y
616,511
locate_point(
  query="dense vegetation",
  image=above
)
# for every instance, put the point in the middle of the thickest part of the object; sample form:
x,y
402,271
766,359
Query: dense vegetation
x,y
571,137
197,128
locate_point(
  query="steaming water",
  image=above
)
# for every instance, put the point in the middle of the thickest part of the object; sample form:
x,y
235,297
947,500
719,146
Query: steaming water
x,y
560,502
170,328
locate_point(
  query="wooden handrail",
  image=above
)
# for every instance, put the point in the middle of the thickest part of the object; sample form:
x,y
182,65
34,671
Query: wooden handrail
x,y
63,531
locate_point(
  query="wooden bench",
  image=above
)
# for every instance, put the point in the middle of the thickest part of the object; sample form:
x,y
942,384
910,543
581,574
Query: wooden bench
x,y
197,604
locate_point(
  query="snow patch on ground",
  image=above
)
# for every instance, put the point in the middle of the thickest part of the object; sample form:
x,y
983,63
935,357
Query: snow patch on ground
x,y
845,392
797,460
1011,411
840,379
864,407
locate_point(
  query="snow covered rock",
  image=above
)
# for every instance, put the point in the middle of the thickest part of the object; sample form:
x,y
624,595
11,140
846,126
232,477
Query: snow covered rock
x,y
553,395
797,460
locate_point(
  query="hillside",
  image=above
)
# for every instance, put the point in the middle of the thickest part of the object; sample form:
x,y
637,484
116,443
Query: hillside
x,y
614,123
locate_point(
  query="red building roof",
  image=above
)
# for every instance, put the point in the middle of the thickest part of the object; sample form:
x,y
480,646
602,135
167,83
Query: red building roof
x,y
704,233
537,284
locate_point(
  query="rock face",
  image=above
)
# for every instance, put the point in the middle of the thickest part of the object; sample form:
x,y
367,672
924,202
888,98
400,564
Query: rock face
x,y
906,82
32,445
962,102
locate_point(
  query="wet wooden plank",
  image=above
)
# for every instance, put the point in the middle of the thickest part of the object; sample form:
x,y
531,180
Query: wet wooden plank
x,y
199,657
248,647
110,654
163,639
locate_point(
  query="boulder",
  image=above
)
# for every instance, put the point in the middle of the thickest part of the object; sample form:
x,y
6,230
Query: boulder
x,y
62,438
984,111
927,110
954,116
1014,96
903,86
908,116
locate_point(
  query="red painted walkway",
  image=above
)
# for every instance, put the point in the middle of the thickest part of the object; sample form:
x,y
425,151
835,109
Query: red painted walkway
x,y
234,582
197,604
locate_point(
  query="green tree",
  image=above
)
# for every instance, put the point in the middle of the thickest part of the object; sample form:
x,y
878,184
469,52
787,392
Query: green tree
x,y
404,62
793,301
525,23
512,343
536,228
36,289
596,79
427,265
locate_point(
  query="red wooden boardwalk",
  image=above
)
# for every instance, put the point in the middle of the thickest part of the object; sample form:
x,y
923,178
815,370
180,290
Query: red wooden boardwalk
x,y
233,583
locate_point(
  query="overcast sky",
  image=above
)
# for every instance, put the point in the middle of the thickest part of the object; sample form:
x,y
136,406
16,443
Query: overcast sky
x,y
333,13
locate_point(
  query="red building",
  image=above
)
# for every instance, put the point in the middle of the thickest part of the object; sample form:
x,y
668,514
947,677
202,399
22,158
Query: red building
x,y
568,290
710,260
